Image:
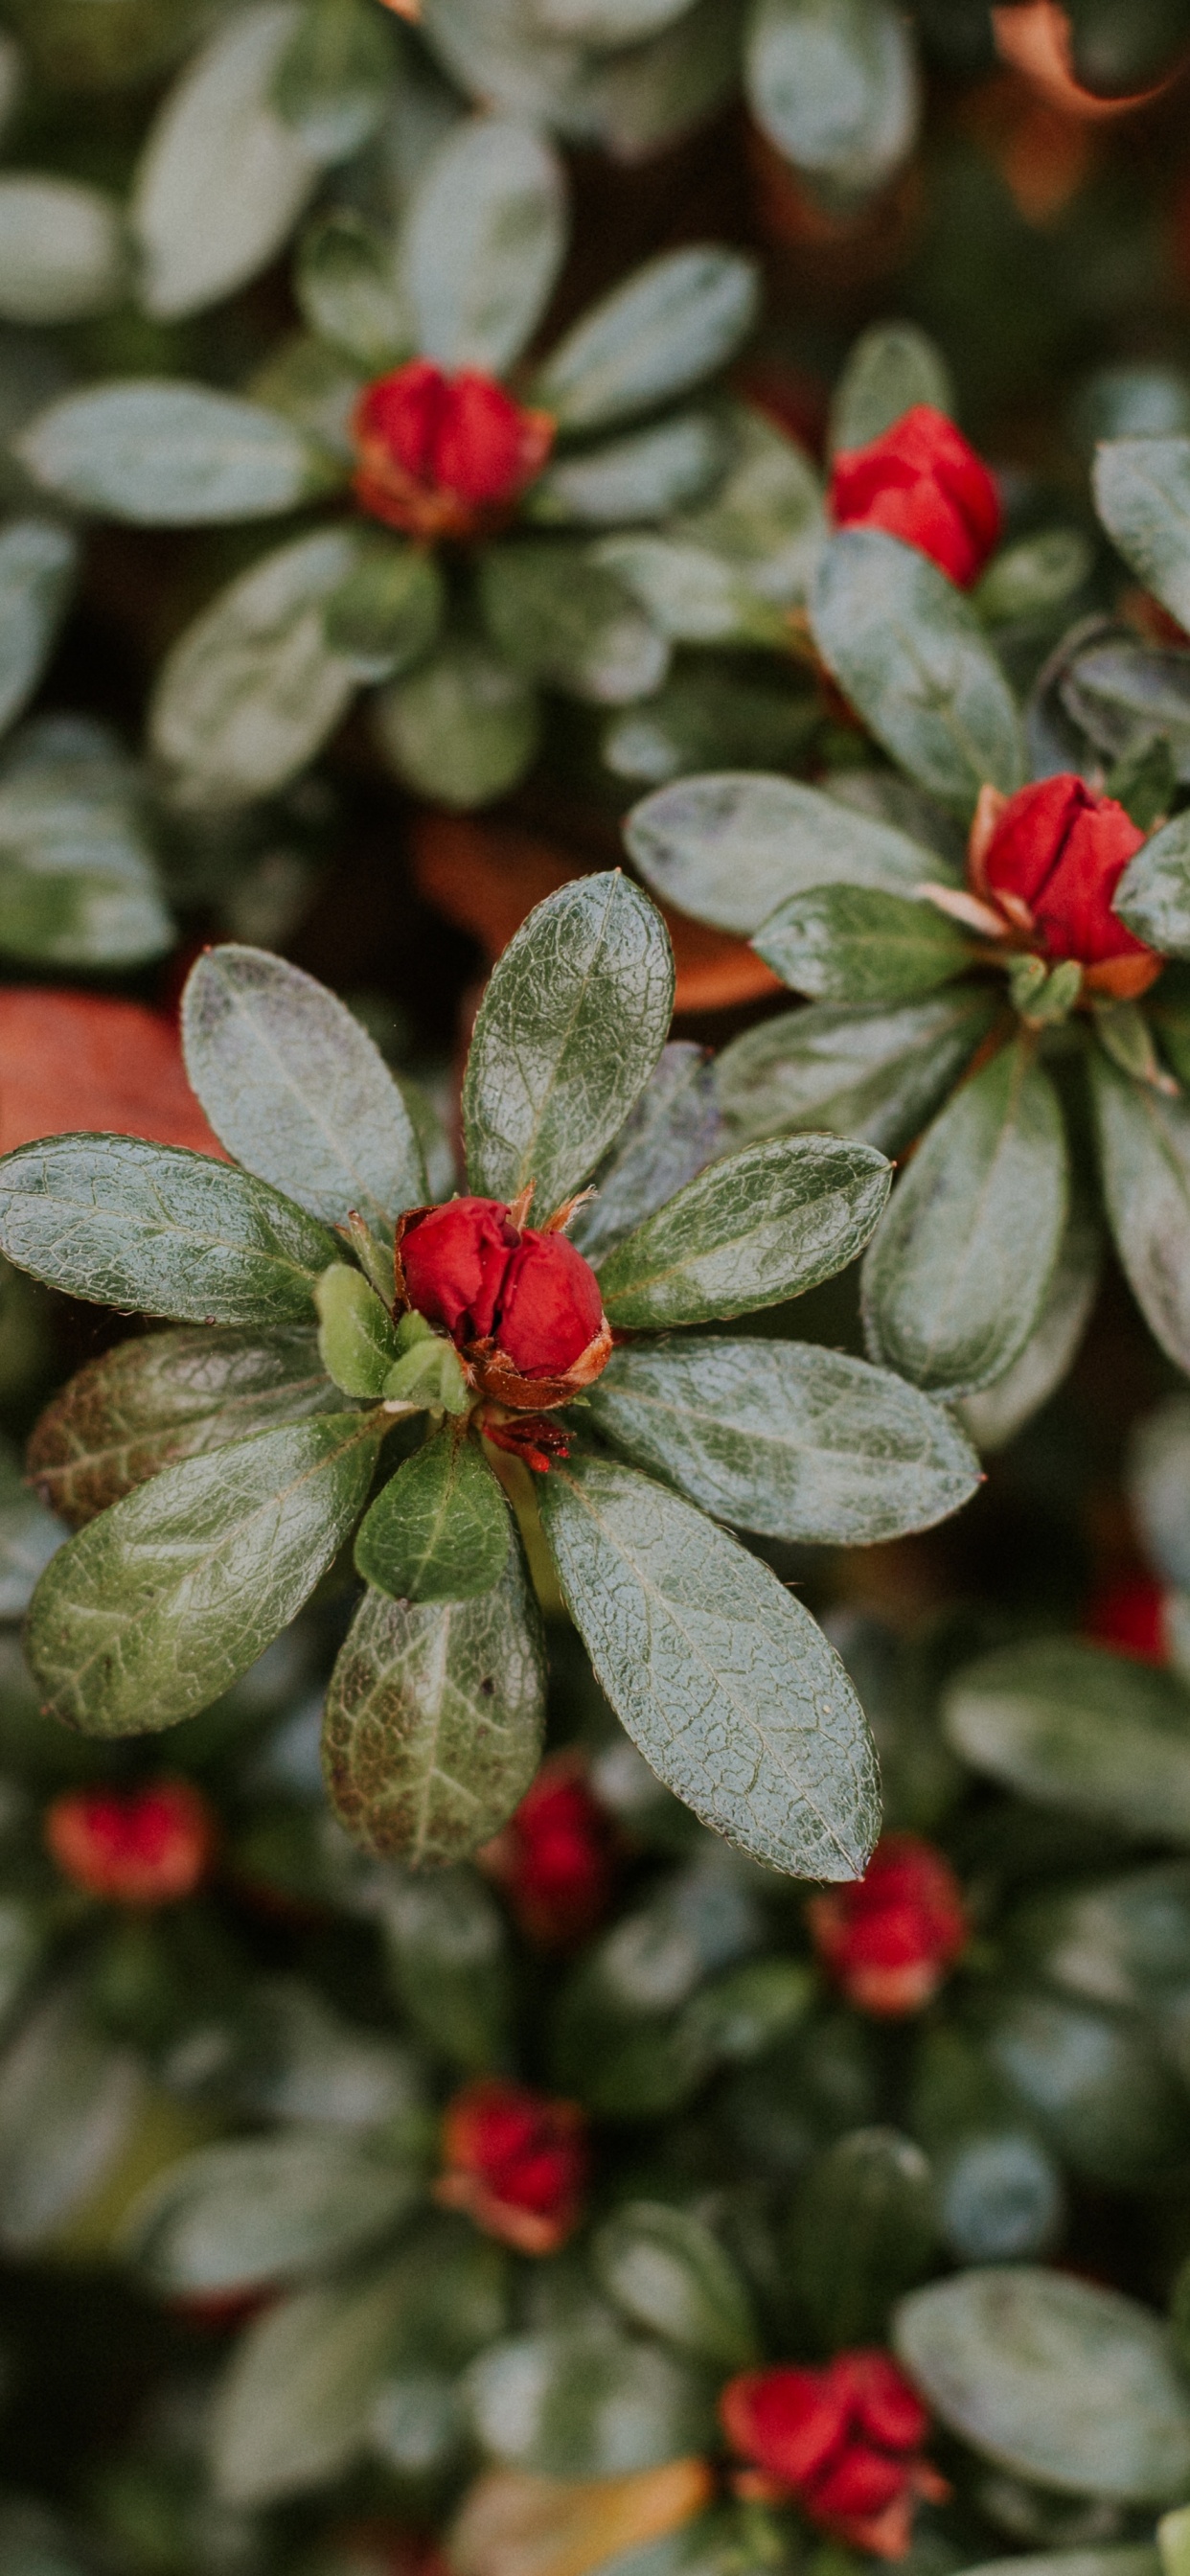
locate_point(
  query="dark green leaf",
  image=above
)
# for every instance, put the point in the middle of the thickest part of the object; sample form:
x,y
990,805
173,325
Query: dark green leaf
x,y
645,97
434,1721
670,324
644,475
68,2104
484,239
1145,1146
891,367
1059,2381
876,1074
909,652
1153,895
167,454
296,1090
251,689
762,1225
586,2402
1067,1725
833,83
347,283
62,250
958,1273
293,2407
730,847
563,618
1142,492
1035,579
38,561
671,2276
786,1438
254,2212
159,1231
690,594
843,943
167,1396
463,727
1121,1940
569,1030
718,1674
335,77
996,1415
221,179
78,885
863,2231
29,1536
637,2028
161,1603
447,1943
387,613
1159,1488
357,1339
438,1531
672,1132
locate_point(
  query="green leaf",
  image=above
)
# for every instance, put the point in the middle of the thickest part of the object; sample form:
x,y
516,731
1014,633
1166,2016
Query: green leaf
x,y
690,593
1096,2082
159,1231
669,2275
161,1603
670,324
164,454
762,1225
347,283
68,2103
1121,1940
38,562
62,249
167,1396
29,1536
446,1937
387,614
433,1731
958,1274
485,237
250,690
357,1341
644,475
863,2231
296,1090
854,944
259,2212
605,22
996,1415
1066,1725
586,2401
1153,895
911,655
1144,1142
641,100
731,847
877,1073
293,2408
438,1531
335,78
1060,2382
461,729
718,1674
1142,493
1035,579
571,1025
222,178
78,885
889,369
562,617
1158,1483
625,2036
833,83
786,1438
766,516
706,714
672,1132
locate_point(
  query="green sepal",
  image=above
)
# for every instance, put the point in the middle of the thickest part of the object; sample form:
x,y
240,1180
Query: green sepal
x,y
439,1529
427,1372
356,1339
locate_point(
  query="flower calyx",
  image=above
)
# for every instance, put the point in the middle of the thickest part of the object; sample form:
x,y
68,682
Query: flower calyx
x,y
442,456
521,1306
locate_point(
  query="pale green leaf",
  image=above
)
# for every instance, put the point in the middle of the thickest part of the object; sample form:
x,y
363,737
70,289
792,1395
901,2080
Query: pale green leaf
x,y
222,178
732,846
62,249
484,239
892,367
1142,492
164,454
666,327
1069,1726
759,1226
873,1073
252,689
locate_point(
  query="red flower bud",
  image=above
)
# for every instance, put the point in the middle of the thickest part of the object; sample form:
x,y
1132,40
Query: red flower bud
x,y
920,481
1129,1617
555,1857
843,2443
522,1306
1050,859
133,1846
444,456
516,2162
889,1939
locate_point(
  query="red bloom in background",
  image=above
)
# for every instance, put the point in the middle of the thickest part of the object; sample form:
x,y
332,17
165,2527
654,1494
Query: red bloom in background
x,y
556,1856
139,1847
844,2443
520,1304
516,2162
444,456
889,1940
920,481
1050,859
1129,1617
